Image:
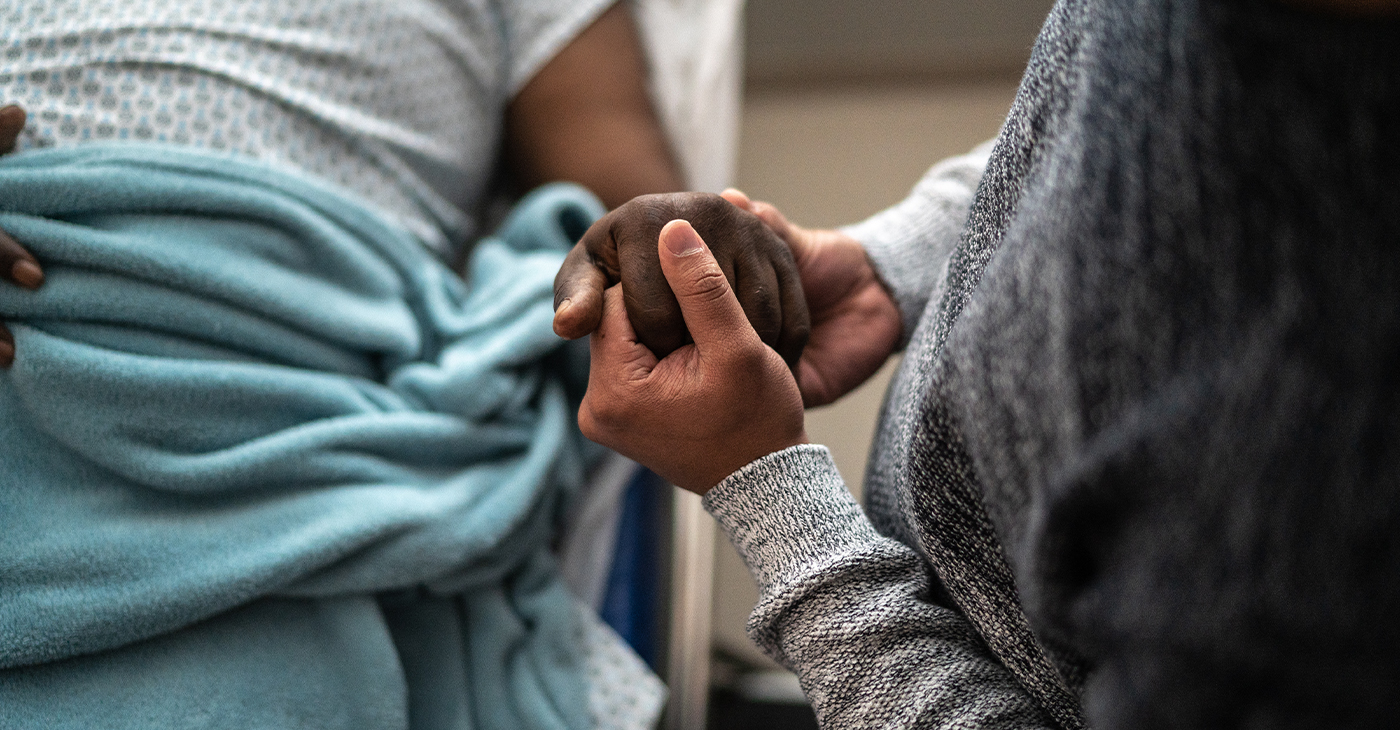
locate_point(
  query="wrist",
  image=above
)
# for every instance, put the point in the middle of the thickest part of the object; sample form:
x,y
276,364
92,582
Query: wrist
x,y
700,479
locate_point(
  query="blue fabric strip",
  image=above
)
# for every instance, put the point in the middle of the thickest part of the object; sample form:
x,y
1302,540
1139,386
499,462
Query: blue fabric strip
x,y
631,602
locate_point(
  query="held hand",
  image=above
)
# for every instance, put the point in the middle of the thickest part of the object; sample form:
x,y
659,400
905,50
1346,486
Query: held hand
x,y
706,409
17,266
621,247
855,322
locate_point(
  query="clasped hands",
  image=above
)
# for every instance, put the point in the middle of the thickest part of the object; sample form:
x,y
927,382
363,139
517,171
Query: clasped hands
x,y
699,308
713,321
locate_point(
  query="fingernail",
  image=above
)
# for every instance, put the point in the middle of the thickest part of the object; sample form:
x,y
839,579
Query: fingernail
x,y
7,353
26,274
683,240
563,307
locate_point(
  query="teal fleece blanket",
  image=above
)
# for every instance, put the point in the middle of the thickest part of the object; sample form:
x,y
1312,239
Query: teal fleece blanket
x,y
265,462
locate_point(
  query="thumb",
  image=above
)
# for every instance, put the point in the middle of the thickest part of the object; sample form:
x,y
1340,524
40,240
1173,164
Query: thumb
x,y
795,236
578,295
711,311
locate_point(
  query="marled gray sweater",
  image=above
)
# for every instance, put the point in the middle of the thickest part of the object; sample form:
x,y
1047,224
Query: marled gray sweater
x,y
1140,466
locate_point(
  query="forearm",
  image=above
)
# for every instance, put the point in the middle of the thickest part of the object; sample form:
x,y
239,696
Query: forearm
x,y
849,611
910,242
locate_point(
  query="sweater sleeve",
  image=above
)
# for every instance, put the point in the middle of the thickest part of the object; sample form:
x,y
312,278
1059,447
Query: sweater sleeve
x,y
850,611
910,242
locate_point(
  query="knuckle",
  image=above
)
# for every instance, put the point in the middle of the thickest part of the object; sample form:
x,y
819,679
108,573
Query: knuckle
x,y
604,414
586,424
799,334
749,358
708,285
595,426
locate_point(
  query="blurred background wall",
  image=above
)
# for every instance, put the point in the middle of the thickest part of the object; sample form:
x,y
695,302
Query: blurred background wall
x,y
846,104
826,41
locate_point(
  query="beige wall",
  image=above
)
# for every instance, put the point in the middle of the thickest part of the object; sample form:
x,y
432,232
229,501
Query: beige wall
x,y
829,156
822,40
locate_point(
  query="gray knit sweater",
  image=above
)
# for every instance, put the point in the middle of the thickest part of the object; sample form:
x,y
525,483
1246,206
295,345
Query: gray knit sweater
x,y
1140,466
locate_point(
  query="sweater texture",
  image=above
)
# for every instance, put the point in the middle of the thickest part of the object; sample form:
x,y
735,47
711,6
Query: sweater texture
x,y
1140,464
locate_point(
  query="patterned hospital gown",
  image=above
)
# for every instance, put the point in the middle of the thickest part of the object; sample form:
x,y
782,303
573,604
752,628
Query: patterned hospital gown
x,y
401,101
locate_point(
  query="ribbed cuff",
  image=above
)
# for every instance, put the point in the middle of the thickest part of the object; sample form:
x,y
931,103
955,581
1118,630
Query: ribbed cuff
x,y
910,242
909,286
788,510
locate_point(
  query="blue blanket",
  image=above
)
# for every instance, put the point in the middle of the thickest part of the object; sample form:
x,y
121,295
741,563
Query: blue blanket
x,y
265,462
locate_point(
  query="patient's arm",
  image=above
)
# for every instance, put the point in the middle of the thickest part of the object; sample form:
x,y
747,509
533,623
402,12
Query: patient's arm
x,y
586,117
17,266
622,247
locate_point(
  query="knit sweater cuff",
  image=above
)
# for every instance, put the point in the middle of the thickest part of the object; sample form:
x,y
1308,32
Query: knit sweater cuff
x,y
788,511
910,242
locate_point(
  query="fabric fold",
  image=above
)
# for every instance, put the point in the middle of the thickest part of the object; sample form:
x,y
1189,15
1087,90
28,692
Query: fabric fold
x,y
242,388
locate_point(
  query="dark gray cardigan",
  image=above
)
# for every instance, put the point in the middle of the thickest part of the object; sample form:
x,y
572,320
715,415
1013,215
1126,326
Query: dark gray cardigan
x,y
1141,464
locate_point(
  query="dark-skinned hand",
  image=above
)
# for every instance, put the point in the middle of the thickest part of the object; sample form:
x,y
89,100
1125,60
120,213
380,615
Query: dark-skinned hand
x,y
17,266
621,248
853,321
706,409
